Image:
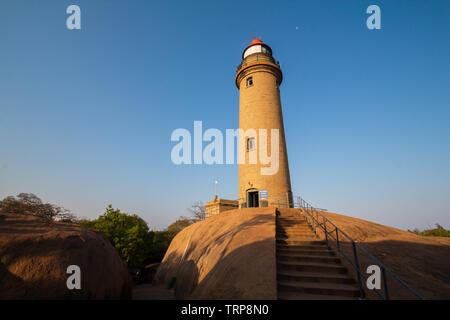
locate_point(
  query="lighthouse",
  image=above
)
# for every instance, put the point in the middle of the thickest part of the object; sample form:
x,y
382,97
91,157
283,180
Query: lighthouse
x,y
258,79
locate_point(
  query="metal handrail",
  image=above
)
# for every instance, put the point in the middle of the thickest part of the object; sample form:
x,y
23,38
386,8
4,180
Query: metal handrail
x,y
311,211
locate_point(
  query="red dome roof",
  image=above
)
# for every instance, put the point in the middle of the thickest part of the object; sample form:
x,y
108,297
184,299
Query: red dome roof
x,y
256,41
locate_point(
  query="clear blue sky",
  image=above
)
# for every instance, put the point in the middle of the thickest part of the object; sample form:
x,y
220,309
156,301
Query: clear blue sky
x,y
86,116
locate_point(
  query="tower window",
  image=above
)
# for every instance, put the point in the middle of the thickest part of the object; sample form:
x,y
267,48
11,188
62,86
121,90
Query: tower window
x,y
251,143
249,81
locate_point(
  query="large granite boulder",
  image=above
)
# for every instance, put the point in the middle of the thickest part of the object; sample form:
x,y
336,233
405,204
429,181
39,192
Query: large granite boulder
x,y
227,256
35,254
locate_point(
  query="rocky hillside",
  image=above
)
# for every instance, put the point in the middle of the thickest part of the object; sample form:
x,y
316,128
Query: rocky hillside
x,y
422,262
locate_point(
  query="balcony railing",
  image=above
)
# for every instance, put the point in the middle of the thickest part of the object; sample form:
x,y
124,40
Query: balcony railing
x,y
254,58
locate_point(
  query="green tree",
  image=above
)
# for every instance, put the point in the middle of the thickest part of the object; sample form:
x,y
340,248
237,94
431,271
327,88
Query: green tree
x,y
29,203
178,225
128,233
159,242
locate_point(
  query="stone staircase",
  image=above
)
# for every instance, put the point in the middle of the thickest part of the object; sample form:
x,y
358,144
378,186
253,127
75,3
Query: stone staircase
x,y
306,267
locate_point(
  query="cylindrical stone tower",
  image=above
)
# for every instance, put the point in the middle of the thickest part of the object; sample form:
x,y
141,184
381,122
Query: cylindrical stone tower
x,y
258,78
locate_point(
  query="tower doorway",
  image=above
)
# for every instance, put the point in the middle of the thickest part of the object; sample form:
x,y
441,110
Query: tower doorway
x,y
253,199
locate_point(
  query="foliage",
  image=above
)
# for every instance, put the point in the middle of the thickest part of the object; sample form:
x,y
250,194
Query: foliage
x,y
28,203
439,231
130,236
128,233
158,245
178,225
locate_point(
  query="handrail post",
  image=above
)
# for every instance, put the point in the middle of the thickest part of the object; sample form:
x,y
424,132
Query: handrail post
x,y
337,240
386,293
358,271
317,217
314,222
326,233
317,220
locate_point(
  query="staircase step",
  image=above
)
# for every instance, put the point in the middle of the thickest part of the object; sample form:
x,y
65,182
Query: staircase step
x,y
311,252
311,266
305,296
308,258
295,215
314,277
289,230
292,223
296,235
301,241
306,237
314,246
307,268
319,288
293,232
294,229
297,240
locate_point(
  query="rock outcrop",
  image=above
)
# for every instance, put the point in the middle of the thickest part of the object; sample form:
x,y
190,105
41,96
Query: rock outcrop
x,y
35,254
227,256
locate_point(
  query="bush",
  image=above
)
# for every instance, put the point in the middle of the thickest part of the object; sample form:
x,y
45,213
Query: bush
x,y
439,231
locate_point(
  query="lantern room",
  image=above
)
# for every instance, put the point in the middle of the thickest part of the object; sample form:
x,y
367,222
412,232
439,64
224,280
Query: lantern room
x,y
257,46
